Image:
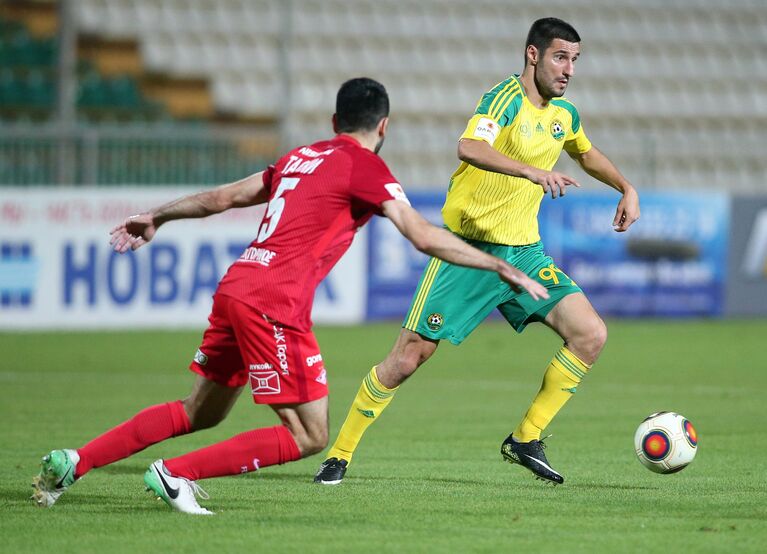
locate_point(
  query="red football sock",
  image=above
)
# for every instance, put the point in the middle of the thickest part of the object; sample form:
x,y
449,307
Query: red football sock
x,y
242,453
148,427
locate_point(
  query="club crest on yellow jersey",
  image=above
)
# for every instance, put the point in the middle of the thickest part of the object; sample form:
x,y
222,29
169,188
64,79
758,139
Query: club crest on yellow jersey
x,y
557,130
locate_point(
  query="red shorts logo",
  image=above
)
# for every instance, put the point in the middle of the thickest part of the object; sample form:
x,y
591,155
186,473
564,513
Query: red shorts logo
x,y
282,348
265,382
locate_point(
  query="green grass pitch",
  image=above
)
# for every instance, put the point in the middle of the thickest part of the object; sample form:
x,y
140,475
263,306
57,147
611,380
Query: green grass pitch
x,y
428,477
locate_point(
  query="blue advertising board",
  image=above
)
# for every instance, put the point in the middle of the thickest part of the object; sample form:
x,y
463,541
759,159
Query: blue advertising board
x,y
394,266
672,263
57,269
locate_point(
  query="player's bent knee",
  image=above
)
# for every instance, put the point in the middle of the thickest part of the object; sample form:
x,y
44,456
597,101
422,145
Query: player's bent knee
x,y
602,335
204,421
311,436
406,364
412,357
593,340
598,335
396,371
312,443
588,341
201,417
320,442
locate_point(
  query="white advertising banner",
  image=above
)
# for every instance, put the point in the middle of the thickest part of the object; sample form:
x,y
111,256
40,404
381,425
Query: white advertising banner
x,y
57,270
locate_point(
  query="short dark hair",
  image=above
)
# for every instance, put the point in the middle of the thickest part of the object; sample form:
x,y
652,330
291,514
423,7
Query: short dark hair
x,y
360,104
544,31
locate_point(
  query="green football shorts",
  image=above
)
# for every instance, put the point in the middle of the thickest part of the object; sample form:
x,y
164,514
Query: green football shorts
x,y
452,300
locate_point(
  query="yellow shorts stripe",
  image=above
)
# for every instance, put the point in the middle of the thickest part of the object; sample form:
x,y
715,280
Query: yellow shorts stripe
x,y
423,292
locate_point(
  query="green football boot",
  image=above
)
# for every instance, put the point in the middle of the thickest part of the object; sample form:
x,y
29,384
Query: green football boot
x,y
177,492
57,474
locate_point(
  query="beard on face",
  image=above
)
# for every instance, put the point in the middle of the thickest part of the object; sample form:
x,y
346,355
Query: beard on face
x,y
545,90
379,145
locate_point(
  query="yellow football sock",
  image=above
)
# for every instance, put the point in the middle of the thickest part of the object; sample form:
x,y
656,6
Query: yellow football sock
x,y
370,401
559,384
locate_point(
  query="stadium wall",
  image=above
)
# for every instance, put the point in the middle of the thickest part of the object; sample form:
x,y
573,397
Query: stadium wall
x,y
57,270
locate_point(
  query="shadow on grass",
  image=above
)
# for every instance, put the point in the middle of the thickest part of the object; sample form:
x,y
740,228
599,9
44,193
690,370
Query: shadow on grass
x,y
443,480
372,479
613,487
130,468
18,498
363,479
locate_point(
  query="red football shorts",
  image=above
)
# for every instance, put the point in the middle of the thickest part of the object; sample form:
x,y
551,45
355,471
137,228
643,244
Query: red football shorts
x,y
241,345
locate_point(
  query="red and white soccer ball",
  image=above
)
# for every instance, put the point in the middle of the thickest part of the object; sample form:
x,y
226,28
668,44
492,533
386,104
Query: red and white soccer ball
x,y
665,442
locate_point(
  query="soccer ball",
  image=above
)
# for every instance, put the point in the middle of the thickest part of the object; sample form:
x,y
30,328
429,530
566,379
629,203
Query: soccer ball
x,y
665,442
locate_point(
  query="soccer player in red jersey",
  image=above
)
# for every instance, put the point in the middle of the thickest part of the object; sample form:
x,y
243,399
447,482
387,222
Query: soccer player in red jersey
x,y
260,327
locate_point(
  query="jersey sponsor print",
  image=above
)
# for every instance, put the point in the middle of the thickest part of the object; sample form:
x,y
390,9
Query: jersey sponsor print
x,y
319,195
501,209
260,326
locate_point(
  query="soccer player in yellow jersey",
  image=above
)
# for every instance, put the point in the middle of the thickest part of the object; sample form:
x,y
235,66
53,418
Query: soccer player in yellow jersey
x,y
507,153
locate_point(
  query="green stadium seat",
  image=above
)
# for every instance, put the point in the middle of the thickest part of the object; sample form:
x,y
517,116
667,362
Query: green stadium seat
x,y
40,89
46,53
124,92
23,50
6,53
9,28
92,91
9,94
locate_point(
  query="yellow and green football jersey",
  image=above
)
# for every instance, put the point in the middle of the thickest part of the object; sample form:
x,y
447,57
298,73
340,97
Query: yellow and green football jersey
x,y
492,207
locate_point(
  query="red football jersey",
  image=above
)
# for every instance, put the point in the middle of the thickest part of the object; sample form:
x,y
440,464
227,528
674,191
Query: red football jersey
x,y
318,196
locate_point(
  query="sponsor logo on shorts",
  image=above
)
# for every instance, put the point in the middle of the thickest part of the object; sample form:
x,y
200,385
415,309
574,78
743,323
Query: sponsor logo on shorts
x,y
260,367
262,256
435,321
200,358
265,382
322,378
311,360
557,130
281,348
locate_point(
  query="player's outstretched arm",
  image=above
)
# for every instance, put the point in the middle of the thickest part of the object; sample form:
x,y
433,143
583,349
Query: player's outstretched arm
x,y
480,154
596,164
442,244
139,229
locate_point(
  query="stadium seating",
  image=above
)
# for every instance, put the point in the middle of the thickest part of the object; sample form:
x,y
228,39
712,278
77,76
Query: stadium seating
x,y
28,83
662,86
26,77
